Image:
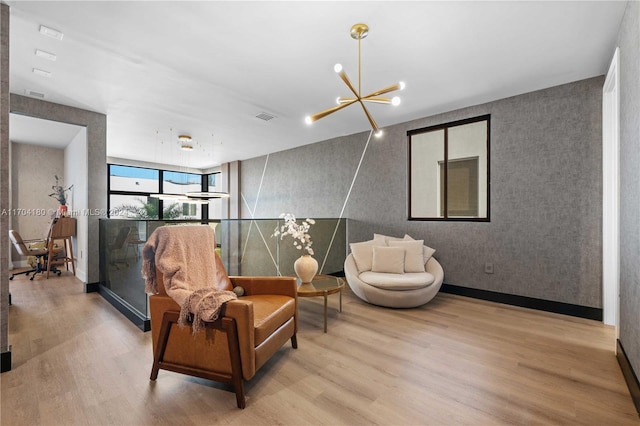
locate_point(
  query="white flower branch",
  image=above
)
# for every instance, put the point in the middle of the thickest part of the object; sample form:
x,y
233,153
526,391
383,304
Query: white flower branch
x,y
299,232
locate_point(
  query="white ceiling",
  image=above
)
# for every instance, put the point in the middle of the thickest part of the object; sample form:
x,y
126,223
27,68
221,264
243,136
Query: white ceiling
x,y
159,69
36,131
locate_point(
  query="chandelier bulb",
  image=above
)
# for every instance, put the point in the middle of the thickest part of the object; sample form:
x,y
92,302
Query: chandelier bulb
x,y
402,85
337,68
378,133
395,101
308,120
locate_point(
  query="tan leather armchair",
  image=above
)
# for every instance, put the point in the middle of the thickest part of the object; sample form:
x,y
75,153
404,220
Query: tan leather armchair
x,y
231,349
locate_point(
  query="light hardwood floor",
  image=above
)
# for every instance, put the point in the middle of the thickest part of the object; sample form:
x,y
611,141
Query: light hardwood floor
x,y
77,361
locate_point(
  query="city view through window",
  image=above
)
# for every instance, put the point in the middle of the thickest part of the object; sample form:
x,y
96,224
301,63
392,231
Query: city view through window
x,y
131,191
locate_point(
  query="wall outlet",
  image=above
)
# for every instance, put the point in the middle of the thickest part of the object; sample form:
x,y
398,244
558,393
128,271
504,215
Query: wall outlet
x,y
488,268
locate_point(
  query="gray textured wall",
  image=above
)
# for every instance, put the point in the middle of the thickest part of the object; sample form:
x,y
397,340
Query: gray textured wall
x,y
4,177
32,174
629,42
544,237
310,181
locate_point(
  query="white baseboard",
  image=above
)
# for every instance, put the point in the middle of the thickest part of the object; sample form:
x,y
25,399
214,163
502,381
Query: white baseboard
x,y
20,264
81,275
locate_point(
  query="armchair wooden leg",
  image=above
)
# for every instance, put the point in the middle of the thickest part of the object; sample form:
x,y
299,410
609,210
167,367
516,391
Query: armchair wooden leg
x,y
294,342
168,318
229,325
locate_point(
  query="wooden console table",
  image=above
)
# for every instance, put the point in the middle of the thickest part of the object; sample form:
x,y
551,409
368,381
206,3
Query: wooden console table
x,y
62,228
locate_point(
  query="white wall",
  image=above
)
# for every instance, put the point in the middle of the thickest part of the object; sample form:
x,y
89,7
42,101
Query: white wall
x,y
76,174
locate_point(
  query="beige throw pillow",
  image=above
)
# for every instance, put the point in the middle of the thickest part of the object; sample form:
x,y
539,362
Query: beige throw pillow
x,y
427,251
363,253
385,238
413,254
388,259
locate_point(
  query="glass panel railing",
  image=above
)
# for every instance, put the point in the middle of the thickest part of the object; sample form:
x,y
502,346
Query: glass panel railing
x,y
121,243
248,247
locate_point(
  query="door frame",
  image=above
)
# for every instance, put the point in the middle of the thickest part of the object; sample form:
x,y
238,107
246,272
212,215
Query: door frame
x,y
611,194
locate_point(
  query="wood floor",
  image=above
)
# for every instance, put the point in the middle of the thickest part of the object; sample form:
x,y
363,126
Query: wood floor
x,y
455,361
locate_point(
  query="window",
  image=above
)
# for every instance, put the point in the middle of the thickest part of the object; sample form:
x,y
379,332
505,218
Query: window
x,y
131,189
124,206
133,179
180,183
463,181
449,171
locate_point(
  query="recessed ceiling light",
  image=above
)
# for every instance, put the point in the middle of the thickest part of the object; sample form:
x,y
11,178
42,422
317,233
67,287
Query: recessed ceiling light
x,y
46,55
50,32
42,73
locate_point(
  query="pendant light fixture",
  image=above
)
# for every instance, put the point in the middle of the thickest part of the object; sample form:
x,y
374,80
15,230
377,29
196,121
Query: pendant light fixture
x,y
194,197
358,32
207,195
185,143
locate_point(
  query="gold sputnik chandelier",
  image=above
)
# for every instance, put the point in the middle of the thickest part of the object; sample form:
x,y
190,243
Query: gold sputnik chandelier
x,y
358,32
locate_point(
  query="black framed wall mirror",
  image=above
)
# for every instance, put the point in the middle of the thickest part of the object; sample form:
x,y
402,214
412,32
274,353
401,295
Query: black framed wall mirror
x,y
449,171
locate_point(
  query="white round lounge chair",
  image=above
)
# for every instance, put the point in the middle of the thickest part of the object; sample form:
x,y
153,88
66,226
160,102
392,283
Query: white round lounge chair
x,y
407,290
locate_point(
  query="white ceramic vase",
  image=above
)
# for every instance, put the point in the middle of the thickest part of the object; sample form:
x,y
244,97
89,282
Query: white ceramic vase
x,y
306,268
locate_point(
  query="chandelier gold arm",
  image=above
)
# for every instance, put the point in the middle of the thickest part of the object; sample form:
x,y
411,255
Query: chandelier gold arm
x,y
370,118
342,100
378,100
385,101
322,114
387,89
343,76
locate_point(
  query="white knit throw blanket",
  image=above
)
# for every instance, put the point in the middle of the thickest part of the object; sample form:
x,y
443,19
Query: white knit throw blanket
x,y
186,257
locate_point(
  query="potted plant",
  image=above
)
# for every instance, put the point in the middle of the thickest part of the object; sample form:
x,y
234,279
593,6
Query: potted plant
x,y
60,194
305,266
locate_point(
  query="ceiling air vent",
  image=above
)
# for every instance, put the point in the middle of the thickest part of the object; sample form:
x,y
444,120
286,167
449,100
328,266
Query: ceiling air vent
x,y
265,116
34,94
